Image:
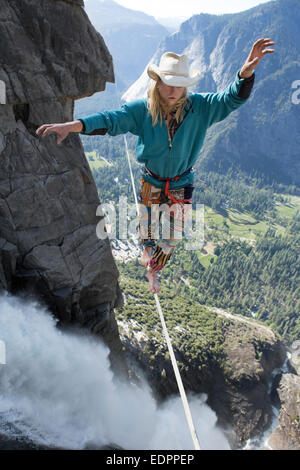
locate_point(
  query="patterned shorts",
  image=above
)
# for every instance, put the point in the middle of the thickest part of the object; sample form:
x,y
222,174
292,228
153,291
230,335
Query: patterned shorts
x,y
161,247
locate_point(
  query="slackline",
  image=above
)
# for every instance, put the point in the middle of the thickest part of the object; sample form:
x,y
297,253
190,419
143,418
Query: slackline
x,y
166,335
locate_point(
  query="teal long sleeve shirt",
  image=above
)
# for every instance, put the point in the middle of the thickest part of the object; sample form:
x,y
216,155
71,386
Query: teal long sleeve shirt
x,y
153,147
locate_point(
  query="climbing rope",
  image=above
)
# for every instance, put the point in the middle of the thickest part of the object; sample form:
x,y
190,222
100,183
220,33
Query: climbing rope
x,y
166,334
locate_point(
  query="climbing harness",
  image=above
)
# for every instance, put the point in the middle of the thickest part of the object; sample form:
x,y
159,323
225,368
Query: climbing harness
x,y
165,194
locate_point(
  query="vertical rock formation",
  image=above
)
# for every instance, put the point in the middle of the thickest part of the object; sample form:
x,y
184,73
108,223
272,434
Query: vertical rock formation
x,y
287,434
52,55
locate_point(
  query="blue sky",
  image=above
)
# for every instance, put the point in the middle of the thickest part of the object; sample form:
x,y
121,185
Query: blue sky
x,y
187,8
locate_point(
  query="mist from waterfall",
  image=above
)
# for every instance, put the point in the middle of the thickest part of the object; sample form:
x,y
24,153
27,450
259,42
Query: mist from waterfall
x,y
57,389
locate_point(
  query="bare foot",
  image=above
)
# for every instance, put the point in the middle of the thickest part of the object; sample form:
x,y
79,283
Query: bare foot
x,y
153,281
146,256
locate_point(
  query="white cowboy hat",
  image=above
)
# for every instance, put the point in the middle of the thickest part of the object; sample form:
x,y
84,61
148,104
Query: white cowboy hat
x,y
173,70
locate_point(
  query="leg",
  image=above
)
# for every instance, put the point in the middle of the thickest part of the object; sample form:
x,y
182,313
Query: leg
x,y
148,196
156,254
165,247
147,227
146,256
154,284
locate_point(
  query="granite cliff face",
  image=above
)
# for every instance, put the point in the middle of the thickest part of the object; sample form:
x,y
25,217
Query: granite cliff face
x,y
52,55
287,434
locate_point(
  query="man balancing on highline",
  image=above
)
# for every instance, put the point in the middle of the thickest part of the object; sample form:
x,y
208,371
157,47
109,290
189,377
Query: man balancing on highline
x,y
171,125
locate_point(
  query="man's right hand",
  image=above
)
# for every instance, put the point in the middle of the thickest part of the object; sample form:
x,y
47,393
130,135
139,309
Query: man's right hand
x,y
62,130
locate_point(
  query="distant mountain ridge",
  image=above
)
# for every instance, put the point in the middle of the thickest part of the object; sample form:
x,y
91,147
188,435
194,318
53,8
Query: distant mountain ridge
x,y
123,30
108,13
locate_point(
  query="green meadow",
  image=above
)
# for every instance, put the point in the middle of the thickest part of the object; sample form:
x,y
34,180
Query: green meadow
x,y
220,226
96,161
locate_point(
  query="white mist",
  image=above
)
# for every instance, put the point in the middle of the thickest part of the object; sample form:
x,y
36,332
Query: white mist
x,y
57,389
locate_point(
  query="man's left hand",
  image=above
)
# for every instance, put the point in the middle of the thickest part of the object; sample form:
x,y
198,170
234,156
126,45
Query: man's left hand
x,y
255,56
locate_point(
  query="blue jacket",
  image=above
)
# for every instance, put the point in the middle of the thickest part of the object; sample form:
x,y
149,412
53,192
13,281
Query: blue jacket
x,y
153,147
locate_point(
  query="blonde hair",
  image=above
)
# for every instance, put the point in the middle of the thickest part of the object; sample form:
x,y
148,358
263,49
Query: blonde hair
x,y
157,108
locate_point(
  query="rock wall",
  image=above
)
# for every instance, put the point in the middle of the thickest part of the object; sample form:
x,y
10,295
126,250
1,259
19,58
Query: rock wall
x,y
287,434
52,55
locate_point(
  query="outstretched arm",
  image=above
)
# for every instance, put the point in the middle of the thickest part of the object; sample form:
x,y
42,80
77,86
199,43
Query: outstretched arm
x,y
219,105
129,118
